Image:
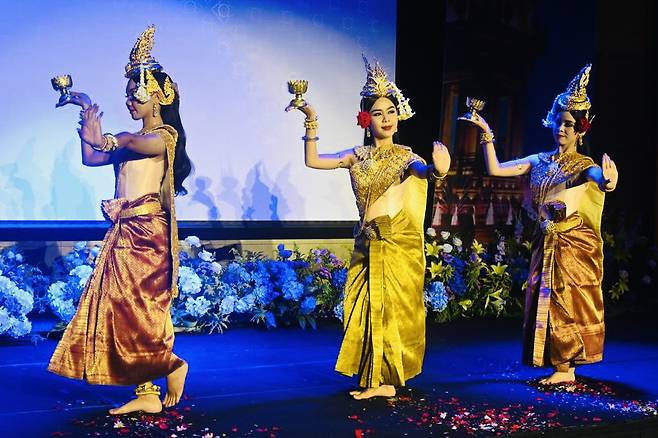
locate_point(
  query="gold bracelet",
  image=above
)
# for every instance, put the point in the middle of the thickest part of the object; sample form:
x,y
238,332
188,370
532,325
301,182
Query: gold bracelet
x,y
486,137
311,124
110,143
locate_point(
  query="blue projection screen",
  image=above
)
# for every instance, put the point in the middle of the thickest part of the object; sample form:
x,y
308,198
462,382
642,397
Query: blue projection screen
x,y
231,60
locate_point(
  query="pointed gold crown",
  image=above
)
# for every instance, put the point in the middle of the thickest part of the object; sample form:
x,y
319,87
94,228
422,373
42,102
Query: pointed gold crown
x,y
574,98
378,85
140,55
143,62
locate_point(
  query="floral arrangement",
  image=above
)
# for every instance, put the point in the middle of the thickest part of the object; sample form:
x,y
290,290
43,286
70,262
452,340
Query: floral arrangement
x,y
463,280
71,273
466,281
290,289
16,294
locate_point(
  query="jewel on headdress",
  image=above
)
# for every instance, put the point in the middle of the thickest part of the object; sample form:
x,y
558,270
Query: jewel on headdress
x,y
378,85
574,98
141,60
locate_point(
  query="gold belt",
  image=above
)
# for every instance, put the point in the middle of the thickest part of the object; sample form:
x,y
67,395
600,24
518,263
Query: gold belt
x,y
147,208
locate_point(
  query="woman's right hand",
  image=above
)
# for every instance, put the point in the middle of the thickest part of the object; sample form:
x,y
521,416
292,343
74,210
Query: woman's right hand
x,y
75,98
307,109
477,121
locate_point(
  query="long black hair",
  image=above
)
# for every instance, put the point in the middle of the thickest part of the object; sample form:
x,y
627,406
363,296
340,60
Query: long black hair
x,y
366,105
171,116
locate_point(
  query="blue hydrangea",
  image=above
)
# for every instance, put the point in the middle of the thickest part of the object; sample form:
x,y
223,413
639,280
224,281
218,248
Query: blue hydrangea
x,y
339,278
338,310
227,305
245,304
457,284
436,296
292,290
308,305
235,273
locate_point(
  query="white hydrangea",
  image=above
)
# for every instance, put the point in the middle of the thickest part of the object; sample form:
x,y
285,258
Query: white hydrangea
x,y
193,241
188,281
197,307
83,272
447,248
216,267
206,256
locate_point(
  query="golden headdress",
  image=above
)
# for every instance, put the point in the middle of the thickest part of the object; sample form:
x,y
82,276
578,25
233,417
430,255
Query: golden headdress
x,y
574,98
143,62
378,85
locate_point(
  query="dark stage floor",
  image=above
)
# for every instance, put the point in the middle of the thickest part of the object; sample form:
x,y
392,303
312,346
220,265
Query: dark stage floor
x,y
252,382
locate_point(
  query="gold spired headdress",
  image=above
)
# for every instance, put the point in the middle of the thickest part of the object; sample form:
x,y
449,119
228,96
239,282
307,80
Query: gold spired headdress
x,y
378,85
574,98
141,60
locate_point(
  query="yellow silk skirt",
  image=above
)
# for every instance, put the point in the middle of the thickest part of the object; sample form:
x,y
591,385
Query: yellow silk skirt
x,y
122,332
563,322
384,310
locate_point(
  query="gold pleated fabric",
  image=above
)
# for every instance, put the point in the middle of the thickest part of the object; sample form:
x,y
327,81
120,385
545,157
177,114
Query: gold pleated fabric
x,y
384,311
563,321
122,332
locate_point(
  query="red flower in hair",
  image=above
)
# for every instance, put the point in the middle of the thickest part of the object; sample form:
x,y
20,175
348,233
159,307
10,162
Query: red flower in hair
x,y
363,119
582,125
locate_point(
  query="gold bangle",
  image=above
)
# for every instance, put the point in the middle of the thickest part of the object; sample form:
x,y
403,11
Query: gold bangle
x,y
110,143
487,137
311,124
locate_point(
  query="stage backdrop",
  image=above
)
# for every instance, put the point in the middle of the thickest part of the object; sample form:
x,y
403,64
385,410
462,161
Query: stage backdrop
x,y
231,60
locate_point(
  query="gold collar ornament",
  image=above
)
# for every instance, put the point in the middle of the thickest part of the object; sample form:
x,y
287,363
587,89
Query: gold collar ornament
x,y
141,60
573,99
378,85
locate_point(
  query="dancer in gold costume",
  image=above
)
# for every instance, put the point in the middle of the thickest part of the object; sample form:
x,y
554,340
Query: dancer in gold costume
x,y
384,312
563,323
122,332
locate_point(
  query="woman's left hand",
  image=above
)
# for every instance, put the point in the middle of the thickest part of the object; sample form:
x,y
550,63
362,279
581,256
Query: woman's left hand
x,y
610,174
441,158
91,131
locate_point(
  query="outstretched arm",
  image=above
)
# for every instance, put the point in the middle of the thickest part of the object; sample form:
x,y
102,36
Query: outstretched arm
x,y
312,159
516,167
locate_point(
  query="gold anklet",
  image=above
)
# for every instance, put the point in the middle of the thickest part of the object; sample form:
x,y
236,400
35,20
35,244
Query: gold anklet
x,y
147,388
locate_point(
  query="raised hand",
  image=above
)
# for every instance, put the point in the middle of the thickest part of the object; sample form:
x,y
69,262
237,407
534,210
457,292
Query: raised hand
x,y
74,98
478,121
441,158
91,131
307,109
610,174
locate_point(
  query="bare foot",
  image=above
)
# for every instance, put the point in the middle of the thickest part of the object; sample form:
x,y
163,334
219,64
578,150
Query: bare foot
x,y
175,385
382,391
559,377
149,403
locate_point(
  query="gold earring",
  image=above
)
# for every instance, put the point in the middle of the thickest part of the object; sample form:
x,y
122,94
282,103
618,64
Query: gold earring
x,y
580,140
155,110
368,132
